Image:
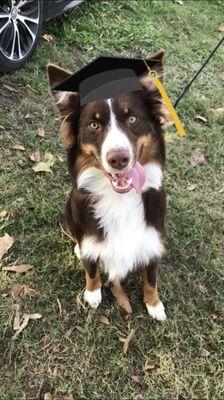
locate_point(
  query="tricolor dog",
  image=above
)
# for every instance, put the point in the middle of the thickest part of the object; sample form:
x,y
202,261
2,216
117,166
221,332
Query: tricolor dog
x,y
111,123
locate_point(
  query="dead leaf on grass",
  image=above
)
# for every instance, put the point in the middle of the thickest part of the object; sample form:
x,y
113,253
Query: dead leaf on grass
x,y
191,186
10,88
18,146
136,379
196,159
45,166
48,38
204,353
200,118
149,367
221,28
16,291
41,132
48,396
104,320
6,242
3,213
23,291
128,340
17,268
2,127
180,2
26,318
218,111
69,331
35,156
16,321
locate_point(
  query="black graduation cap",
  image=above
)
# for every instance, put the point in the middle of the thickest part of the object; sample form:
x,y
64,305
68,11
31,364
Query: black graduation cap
x,y
106,77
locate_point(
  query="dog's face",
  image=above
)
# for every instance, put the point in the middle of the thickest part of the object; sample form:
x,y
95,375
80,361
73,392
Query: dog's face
x,y
112,134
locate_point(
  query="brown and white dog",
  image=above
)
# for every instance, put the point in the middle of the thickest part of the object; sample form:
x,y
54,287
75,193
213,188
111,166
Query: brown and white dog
x,y
115,226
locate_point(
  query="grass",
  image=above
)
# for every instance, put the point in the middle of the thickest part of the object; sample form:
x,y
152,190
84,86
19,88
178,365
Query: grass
x,y
89,364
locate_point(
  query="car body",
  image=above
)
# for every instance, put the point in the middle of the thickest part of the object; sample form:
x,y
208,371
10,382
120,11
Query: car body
x,y
20,27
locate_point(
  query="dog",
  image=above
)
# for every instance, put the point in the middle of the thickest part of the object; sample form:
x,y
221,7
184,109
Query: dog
x,y
116,218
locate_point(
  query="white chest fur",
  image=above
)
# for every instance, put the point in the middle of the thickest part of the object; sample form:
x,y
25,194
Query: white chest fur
x,y
129,242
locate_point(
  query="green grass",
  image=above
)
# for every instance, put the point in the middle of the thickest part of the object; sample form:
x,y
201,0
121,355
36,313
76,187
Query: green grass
x,y
90,364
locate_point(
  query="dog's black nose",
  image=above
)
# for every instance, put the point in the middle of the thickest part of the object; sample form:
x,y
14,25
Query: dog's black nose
x,y
118,159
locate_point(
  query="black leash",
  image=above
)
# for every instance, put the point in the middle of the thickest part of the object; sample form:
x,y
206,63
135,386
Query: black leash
x,y
196,75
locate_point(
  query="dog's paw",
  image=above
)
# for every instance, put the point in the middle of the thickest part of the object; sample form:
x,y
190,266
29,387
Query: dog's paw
x,y
77,251
93,298
157,312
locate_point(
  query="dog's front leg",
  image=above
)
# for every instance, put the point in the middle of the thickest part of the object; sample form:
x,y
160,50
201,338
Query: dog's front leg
x,y
154,305
92,294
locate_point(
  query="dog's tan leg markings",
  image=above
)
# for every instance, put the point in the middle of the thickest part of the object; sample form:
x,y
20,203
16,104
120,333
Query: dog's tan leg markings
x,y
154,305
92,294
120,295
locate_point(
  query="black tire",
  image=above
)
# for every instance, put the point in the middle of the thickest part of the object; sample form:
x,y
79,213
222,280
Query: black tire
x,y
24,42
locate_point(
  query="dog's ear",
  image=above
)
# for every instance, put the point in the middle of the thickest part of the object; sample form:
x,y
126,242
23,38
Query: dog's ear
x,y
157,106
67,103
146,80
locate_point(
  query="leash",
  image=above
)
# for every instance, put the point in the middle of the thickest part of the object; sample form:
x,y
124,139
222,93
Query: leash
x,y
187,87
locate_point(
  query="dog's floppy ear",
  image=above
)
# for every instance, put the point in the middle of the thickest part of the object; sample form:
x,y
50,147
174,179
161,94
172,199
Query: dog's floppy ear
x,y
67,103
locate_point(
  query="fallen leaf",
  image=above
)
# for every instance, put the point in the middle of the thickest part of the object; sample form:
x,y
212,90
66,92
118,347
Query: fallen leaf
x,y
159,371
139,397
196,159
45,166
3,213
48,38
10,88
136,379
6,242
22,326
104,320
69,331
35,156
16,291
191,186
18,147
128,340
26,318
2,127
16,321
41,132
29,292
221,29
21,163
17,268
200,118
204,353
218,111
15,213
180,2
148,367
48,396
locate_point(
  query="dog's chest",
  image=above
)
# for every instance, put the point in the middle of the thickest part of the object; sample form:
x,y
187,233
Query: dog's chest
x,y
128,242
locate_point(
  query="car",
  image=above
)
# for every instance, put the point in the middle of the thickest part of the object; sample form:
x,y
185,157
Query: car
x,y
20,27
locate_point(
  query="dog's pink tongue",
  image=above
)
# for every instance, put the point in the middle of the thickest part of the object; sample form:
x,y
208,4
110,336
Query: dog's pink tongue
x,y
137,173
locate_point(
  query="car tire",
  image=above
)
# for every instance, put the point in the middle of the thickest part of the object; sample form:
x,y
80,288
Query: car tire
x,y
20,28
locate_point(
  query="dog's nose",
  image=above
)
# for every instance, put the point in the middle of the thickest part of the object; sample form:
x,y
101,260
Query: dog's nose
x,y
118,159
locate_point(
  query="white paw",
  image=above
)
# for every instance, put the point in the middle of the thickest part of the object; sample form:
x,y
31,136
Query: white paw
x,y
93,298
77,251
157,312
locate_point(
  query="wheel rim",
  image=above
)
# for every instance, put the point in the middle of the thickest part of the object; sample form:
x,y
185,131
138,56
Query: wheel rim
x,y
19,21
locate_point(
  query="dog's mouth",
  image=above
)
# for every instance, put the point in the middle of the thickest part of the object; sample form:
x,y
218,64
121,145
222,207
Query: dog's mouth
x,y
123,182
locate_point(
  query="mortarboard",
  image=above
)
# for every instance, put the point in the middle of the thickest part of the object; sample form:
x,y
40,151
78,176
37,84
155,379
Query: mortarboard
x,y
106,77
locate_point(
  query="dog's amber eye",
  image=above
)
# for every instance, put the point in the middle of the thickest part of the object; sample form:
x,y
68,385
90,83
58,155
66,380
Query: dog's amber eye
x,y
132,119
94,125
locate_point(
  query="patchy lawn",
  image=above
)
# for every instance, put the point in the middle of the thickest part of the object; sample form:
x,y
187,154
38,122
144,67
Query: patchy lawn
x,y
185,354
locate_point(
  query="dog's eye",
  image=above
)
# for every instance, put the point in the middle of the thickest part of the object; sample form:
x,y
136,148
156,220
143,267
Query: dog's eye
x,y
94,125
132,119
